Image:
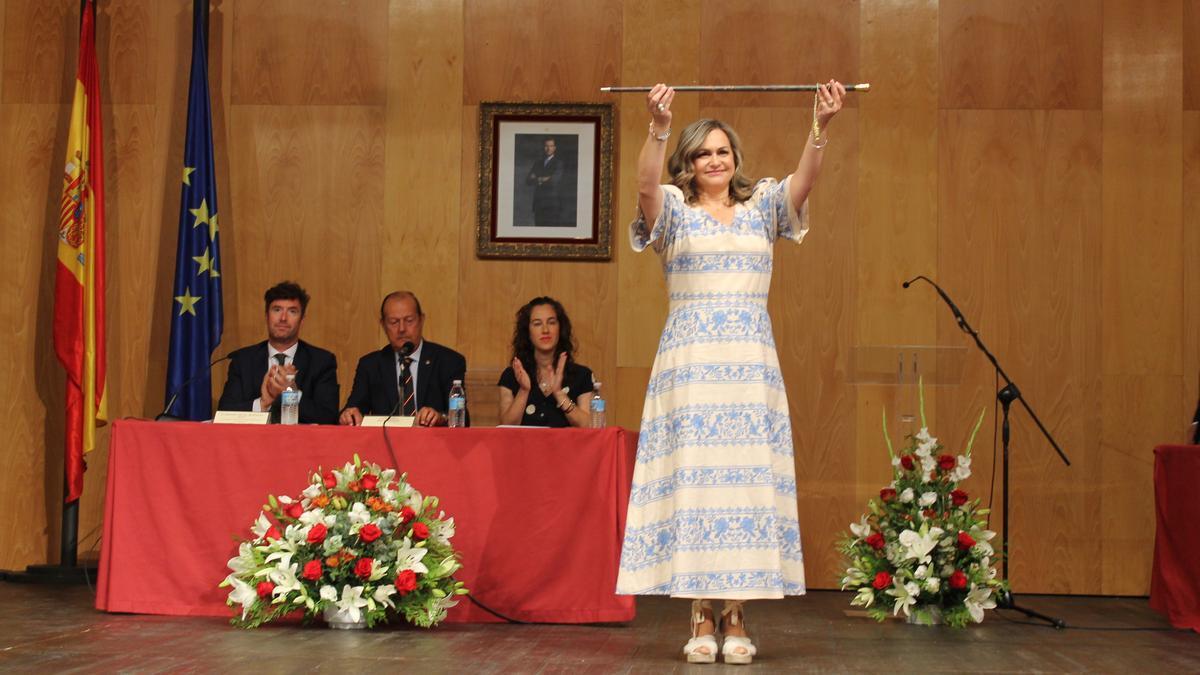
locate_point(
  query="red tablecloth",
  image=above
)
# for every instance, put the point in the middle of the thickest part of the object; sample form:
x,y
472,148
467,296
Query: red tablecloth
x,y
1175,582
539,513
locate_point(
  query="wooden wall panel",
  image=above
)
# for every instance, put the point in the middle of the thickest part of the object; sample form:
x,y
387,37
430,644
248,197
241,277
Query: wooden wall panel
x,y
309,206
309,53
776,42
30,373
1019,255
541,50
1191,252
129,31
1191,55
1020,53
41,46
423,164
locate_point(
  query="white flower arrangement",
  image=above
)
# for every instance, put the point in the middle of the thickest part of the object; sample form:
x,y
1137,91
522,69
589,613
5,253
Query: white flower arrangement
x,y
923,545
359,539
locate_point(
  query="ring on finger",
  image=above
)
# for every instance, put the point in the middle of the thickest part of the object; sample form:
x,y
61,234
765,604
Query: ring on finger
x,y
661,107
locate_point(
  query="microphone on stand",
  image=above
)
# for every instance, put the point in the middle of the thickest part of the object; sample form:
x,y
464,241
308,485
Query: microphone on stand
x,y
163,416
958,316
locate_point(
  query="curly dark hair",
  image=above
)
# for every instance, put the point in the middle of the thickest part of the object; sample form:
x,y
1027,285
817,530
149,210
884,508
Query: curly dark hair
x,y
522,346
286,290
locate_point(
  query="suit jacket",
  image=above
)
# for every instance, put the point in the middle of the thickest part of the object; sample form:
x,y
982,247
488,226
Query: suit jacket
x,y
376,391
316,375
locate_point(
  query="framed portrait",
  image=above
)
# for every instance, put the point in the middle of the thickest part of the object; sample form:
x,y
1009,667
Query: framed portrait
x,y
545,181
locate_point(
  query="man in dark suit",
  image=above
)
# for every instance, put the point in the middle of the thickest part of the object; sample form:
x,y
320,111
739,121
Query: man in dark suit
x,y
413,381
545,175
258,374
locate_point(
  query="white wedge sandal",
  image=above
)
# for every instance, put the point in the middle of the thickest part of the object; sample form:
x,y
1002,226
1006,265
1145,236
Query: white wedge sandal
x,y
736,650
692,649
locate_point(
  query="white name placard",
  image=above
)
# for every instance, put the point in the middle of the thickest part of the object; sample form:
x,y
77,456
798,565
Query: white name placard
x,y
241,417
395,421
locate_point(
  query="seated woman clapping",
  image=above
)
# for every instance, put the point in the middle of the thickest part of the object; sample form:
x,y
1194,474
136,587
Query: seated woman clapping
x,y
544,386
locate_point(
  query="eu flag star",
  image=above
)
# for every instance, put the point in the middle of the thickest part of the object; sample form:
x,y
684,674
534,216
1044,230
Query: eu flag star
x,y
187,174
187,302
201,214
207,264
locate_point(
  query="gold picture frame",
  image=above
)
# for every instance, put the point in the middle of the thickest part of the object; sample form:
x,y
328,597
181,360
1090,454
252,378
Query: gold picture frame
x,y
545,181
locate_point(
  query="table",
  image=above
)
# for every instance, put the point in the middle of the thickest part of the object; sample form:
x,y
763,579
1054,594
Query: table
x,y
539,513
1175,580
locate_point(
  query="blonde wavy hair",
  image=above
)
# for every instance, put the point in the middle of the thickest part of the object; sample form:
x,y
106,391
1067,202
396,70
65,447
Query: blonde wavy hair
x,y
690,142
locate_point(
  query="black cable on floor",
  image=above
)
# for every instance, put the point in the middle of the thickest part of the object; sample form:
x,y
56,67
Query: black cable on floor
x,y
475,601
1072,626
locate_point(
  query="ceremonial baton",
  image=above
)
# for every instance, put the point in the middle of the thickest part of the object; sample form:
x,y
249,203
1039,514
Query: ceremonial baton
x,y
738,87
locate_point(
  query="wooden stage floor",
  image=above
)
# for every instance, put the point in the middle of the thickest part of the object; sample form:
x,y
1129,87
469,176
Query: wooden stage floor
x,y
55,629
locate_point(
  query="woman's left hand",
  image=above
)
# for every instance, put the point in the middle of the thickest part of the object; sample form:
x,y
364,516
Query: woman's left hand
x,y
556,375
829,101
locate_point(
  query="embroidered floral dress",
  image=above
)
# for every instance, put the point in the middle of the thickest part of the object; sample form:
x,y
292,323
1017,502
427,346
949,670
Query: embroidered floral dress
x,y
712,513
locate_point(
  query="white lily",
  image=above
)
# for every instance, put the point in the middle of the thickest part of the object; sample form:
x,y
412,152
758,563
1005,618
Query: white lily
x,y
312,517
933,584
928,499
921,572
864,598
285,580
352,602
261,526
917,545
383,595
312,491
861,529
409,558
242,594
377,571
332,544
963,470
359,514
441,529
977,600
907,495
928,464
923,436
905,594
244,561
328,592
284,499
854,577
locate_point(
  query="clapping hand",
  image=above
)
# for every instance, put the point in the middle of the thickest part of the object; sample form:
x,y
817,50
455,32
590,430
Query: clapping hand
x,y
521,374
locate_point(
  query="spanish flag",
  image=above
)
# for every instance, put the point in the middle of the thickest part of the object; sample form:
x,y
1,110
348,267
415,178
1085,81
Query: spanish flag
x,y
79,274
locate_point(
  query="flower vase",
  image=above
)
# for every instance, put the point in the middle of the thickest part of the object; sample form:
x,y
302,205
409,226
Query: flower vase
x,y
340,619
925,615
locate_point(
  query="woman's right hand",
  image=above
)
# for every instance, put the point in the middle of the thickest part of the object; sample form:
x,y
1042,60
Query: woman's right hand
x,y
521,375
658,103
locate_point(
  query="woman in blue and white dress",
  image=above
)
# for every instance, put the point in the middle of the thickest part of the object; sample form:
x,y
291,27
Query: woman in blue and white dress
x,y
712,513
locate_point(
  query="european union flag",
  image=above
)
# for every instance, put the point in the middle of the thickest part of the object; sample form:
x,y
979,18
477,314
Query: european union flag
x,y
196,317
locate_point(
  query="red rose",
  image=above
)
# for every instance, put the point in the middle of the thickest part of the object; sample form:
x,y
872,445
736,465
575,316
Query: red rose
x,y
312,570
882,581
965,542
264,589
959,497
875,541
362,568
406,582
420,531
330,481
316,534
294,510
907,462
887,494
947,462
272,533
369,532
929,513
407,514
370,481
958,580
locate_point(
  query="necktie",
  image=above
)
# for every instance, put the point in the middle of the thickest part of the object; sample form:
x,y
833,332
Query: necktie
x,y
280,358
409,407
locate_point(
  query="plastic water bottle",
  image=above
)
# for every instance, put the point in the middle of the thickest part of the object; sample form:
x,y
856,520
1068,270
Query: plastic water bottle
x,y
597,407
289,403
457,415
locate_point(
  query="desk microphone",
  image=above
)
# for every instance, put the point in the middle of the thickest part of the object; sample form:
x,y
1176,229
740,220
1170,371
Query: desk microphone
x,y
163,416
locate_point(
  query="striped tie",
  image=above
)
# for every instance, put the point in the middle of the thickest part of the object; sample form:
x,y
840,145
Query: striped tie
x,y
409,407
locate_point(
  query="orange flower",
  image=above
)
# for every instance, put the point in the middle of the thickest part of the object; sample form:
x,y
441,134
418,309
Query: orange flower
x,y
333,561
320,501
354,486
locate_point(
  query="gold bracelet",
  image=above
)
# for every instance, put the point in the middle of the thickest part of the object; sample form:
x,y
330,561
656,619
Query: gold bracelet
x,y
816,134
662,138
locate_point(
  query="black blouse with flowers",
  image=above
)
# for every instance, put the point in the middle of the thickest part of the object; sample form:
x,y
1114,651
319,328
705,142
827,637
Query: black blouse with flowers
x,y
541,410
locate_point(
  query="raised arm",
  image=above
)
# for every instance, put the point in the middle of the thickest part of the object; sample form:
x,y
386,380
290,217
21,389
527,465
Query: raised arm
x,y
654,151
828,103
